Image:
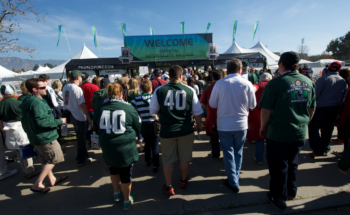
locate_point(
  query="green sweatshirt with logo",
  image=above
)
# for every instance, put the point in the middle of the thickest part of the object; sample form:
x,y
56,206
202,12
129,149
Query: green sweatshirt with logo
x,y
38,121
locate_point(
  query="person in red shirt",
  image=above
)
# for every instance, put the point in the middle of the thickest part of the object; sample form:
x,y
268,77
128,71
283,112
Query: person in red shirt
x,y
157,81
210,121
88,90
254,122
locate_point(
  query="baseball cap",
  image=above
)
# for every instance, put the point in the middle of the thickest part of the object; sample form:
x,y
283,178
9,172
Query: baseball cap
x,y
335,66
85,75
146,76
157,71
7,90
245,63
289,58
104,81
75,74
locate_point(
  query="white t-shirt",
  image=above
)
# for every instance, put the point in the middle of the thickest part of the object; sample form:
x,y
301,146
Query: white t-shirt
x,y
245,76
195,87
233,96
73,97
53,98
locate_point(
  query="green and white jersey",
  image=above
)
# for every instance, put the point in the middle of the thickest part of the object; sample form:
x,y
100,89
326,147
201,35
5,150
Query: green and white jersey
x,y
175,102
141,103
116,122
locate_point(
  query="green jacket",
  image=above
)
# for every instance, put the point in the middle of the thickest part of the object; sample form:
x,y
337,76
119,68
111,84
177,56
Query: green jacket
x,y
115,122
344,163
10,110
98,98
38,121
253,78
22,97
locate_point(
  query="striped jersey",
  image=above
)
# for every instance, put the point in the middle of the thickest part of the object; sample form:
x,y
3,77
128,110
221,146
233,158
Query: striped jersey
x,y
141,103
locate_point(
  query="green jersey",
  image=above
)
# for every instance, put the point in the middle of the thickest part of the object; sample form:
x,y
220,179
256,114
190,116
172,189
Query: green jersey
x,y
115,122
10,110
253,78
289,98
175,103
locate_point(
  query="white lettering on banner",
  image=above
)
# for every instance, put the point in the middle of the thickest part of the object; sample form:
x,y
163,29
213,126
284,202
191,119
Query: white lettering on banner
x,y
169,100
96,67
118,121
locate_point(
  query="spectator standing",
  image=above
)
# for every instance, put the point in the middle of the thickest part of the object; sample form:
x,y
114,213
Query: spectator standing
x,y
57,87
88,90
25,92
116,122
141,103
194,86
208,80
245,69
40,125
200,79
233,97
74,101
330,90
252,76
133,90
186,73
157,81
124,80
198,83
175,102
210,121
254,120
97,81
50,96
287,105
100,95
165,75
11,127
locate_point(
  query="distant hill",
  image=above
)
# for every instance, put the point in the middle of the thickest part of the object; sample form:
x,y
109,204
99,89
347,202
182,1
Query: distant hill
x,y
18,63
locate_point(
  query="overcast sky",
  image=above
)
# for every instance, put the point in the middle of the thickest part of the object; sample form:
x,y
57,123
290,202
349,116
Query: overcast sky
x,y
282,23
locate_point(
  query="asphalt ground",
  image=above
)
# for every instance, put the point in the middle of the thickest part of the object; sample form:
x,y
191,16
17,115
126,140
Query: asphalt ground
x,y
88,189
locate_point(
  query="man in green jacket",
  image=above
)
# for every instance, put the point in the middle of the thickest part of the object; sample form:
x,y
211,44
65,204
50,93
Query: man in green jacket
x,y
100,95
40,125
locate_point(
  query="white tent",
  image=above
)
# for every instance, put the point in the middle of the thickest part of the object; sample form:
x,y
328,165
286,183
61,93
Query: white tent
x,y
302,61
272,58
42,69
84,53
5,72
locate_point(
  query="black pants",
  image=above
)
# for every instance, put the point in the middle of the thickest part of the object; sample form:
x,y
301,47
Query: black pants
x,y
151,147
282,159
346,129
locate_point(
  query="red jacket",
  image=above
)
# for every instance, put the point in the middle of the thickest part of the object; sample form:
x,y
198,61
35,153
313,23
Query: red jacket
x,y
210,121
88,90
155,83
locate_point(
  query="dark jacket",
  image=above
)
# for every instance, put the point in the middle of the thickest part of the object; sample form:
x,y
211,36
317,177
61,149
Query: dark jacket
x,y
98,98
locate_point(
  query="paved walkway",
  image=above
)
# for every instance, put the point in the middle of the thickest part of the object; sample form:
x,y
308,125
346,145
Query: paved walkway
x,y
88,189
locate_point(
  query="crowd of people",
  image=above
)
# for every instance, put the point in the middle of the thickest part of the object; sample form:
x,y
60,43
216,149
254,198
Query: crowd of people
x,y
240,104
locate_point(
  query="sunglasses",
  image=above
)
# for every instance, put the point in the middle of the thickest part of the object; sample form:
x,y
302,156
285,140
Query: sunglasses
x,y
41,88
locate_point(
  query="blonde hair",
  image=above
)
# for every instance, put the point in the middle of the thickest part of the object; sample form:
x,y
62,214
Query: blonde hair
x,y
224,73
184,80
97,81
24,89
146,86
57,86
6,96
114,90
134,85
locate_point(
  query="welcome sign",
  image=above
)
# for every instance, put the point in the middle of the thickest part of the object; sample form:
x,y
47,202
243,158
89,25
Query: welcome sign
x,y
169,47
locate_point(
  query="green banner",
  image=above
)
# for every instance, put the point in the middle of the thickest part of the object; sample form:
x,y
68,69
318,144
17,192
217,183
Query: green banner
x,y
256,26
169,47
234,31
182,27
59,34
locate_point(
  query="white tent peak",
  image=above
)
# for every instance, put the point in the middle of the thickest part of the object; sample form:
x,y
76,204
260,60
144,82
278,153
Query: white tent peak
x,y
5,72
42,69
84,53
259,45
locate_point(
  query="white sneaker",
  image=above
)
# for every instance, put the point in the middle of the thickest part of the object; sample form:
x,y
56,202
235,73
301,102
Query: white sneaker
x,y
9,174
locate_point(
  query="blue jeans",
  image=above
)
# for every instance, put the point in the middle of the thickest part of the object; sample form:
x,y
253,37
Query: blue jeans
x,y
232,147
282,159
259,150
151,147
80,130
215,147
323,119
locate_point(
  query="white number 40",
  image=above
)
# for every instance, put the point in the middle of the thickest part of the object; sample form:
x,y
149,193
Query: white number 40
x,y
118,121
169,100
